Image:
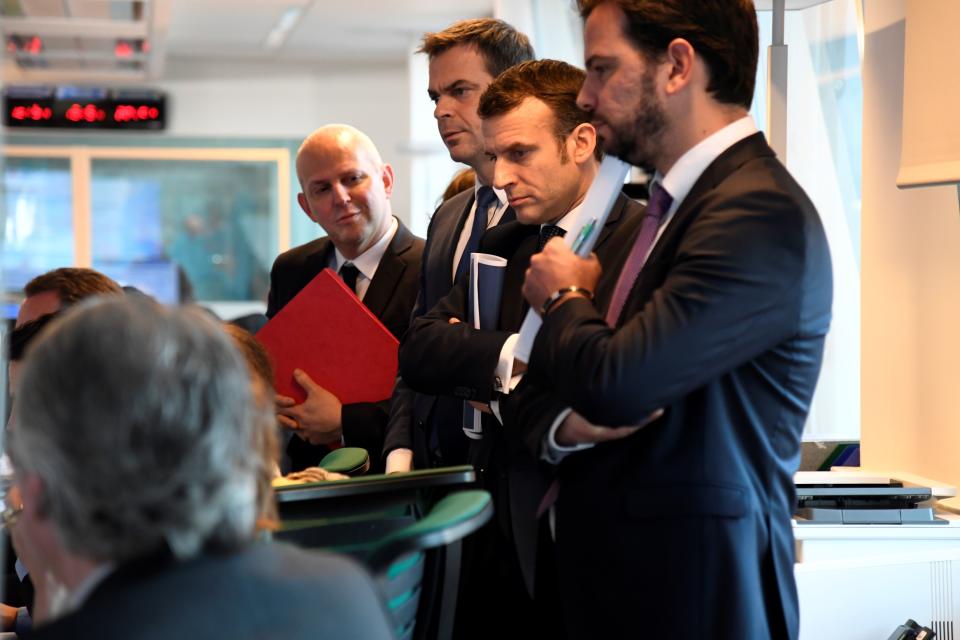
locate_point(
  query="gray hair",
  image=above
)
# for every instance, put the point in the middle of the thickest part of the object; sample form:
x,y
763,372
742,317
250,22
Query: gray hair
x,y
140,423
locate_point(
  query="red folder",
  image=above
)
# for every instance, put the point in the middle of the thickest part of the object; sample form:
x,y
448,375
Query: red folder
x,y
328,332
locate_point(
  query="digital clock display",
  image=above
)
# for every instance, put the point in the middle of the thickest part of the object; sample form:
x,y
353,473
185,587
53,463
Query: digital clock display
x,y
84,108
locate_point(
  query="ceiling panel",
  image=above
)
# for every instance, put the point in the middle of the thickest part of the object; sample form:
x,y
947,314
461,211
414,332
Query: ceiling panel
x,y
208,30
371,28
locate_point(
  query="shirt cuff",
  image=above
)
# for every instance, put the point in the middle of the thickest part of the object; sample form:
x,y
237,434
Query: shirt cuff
x,y
504,370
553,452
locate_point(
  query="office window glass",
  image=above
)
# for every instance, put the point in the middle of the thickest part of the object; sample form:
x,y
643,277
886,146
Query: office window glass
x,y
824,144
38,221
202,230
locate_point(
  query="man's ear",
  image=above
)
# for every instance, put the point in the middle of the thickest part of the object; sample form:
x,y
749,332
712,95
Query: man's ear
x,y
584,142
33,495
302,201
387,177
680,58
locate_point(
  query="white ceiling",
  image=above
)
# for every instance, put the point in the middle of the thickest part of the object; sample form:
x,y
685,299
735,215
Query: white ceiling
x,y
337,29
79,35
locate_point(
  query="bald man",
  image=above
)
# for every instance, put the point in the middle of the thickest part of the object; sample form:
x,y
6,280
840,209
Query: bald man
x,y
346,188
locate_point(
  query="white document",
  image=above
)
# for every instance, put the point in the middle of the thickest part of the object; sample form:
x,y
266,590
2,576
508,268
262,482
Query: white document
x,y
483,307
588,224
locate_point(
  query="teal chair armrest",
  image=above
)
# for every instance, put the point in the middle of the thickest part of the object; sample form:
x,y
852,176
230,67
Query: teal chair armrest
x,y
350,461
452,518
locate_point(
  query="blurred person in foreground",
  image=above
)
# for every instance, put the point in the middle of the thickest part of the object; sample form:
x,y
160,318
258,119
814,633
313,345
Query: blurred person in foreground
x,y
131,450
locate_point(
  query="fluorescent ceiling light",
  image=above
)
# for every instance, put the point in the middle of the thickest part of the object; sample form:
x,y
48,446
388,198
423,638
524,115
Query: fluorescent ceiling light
x,y
286,23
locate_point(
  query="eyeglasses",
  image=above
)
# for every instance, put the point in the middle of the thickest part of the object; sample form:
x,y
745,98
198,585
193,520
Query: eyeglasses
x,y
9,516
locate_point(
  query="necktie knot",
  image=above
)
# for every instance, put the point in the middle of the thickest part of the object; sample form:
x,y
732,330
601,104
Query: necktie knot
x,y
659,201
485,198
349,274
547,232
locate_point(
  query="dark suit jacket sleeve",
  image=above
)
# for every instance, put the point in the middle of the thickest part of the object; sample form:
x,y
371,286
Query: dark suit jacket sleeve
x,y
528,412
364,425
440,358
729,296
399,429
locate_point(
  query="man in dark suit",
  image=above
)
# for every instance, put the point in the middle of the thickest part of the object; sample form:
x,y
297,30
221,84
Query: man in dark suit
x,y
464,58
346,190
136,461
545,158
686,522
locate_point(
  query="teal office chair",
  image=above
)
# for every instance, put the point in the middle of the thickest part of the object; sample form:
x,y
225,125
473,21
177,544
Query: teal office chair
x,y
398,562
414,553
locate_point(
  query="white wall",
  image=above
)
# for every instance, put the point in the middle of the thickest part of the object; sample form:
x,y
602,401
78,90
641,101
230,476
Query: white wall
x,y
258,100
910,281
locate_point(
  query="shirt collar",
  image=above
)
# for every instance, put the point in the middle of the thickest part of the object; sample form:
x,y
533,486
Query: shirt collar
x,y
500,193
368,261
568,218
687,170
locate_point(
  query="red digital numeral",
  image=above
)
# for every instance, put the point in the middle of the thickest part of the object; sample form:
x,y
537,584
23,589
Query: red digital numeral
x,y
85,113
131,113
34,112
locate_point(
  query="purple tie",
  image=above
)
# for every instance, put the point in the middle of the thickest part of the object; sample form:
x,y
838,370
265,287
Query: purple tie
x,y
657,207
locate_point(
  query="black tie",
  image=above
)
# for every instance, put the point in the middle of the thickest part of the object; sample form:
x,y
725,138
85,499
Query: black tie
x,y
349,273
548,231
485,198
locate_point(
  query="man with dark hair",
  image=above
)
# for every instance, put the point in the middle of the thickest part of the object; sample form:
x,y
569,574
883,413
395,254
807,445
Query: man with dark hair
x,y
346,190
45,296
718,319
132,455
60,288
499,45
464,59
544,156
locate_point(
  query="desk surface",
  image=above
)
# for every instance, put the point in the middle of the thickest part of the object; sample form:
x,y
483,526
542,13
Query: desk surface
x,y
378,484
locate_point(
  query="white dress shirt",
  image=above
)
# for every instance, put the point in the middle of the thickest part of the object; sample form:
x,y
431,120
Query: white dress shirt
x,y
503,379
368,261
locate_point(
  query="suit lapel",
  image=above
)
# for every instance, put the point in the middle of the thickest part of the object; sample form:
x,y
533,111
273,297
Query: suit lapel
x,y
317,262
615,214
389,271
455,237
745,150
731,160
513,306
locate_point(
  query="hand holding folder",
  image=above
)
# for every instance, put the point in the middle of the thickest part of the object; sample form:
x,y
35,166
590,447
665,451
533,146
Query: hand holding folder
x,y
327,332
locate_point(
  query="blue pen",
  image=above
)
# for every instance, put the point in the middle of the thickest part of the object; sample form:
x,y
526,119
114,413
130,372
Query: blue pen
x,y
585,232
